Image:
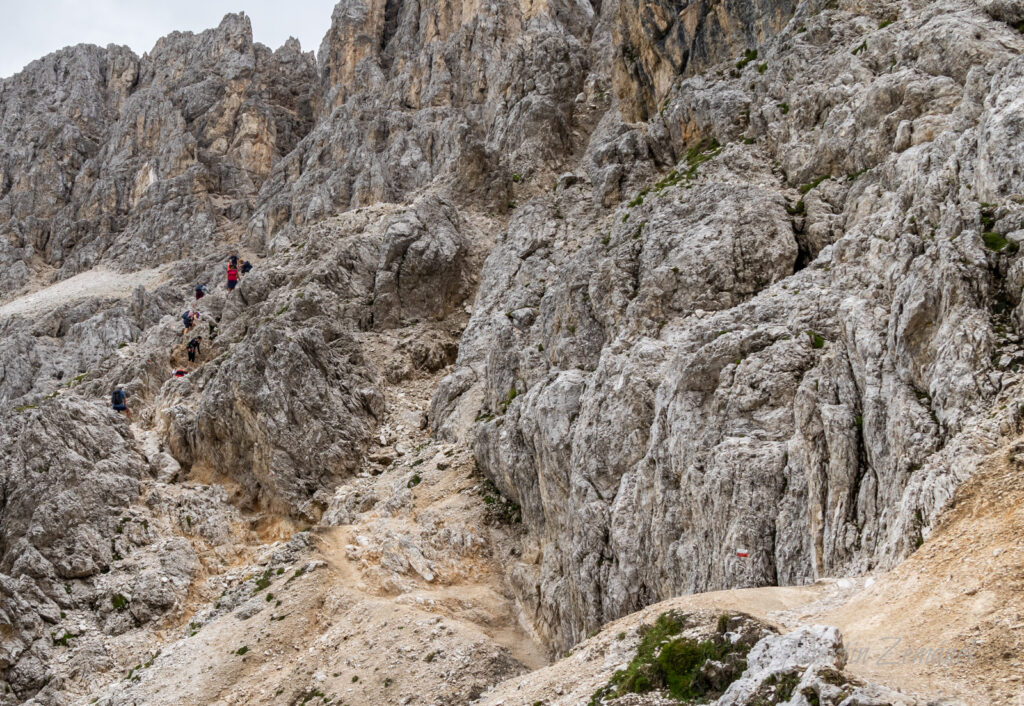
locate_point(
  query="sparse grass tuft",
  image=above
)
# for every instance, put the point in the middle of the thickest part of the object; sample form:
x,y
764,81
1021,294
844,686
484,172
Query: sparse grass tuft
x,y
817,341
812,184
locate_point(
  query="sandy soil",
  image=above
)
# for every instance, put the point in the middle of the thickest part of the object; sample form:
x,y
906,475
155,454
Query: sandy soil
x,y
365,617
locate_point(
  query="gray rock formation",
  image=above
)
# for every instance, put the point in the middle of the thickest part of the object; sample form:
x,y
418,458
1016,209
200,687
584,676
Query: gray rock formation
x,y
740,275
727,361
106,157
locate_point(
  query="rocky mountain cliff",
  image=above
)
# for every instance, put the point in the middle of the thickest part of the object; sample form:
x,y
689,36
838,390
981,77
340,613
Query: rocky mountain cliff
x,y
684,280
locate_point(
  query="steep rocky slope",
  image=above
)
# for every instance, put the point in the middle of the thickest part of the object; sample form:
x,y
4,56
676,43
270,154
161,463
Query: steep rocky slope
x,y
771,344
679,278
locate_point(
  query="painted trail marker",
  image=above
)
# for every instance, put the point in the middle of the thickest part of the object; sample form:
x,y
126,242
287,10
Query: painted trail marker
x,y
742,553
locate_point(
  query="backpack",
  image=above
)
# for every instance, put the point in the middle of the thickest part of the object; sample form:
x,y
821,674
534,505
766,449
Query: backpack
x,y
117,397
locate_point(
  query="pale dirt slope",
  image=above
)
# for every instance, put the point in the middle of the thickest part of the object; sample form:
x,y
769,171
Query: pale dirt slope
x,y
97,282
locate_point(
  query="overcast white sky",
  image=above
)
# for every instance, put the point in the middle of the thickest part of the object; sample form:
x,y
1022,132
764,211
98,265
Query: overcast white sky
x,y
30,29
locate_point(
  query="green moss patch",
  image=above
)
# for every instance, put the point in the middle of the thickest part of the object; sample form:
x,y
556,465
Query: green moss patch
x,y
678,666
997,242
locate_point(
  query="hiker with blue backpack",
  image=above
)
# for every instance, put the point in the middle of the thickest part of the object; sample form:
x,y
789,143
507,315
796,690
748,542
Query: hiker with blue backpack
x,y
119,401
189,318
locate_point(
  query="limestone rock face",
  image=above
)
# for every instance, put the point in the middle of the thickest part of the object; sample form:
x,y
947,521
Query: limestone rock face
x,y
770,345
709,277
660,41
108,157
70,471
464,93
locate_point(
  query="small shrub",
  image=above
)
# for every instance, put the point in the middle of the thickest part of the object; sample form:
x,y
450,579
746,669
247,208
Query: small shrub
x,y
784,107
518,178
119,602
242,650
63,639
355,678
262,582
748,56
414,481
761,68
817,341
723,623
299,572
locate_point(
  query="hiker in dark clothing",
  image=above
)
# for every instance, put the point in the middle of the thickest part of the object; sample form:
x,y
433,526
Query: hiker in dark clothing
x,y
232,277
213,330
233,261
193,348
200,291
119,400
246,267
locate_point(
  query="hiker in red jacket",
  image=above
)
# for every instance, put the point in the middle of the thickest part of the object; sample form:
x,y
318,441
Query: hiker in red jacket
x,y
232,277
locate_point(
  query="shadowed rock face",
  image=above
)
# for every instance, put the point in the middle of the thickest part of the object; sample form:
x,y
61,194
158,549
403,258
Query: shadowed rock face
x,y
661,41
720,302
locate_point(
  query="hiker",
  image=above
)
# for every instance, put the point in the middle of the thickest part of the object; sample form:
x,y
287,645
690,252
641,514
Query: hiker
x,y
180,373
119,401
246,267
193,348
232,277
200,291
189,319
212,330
